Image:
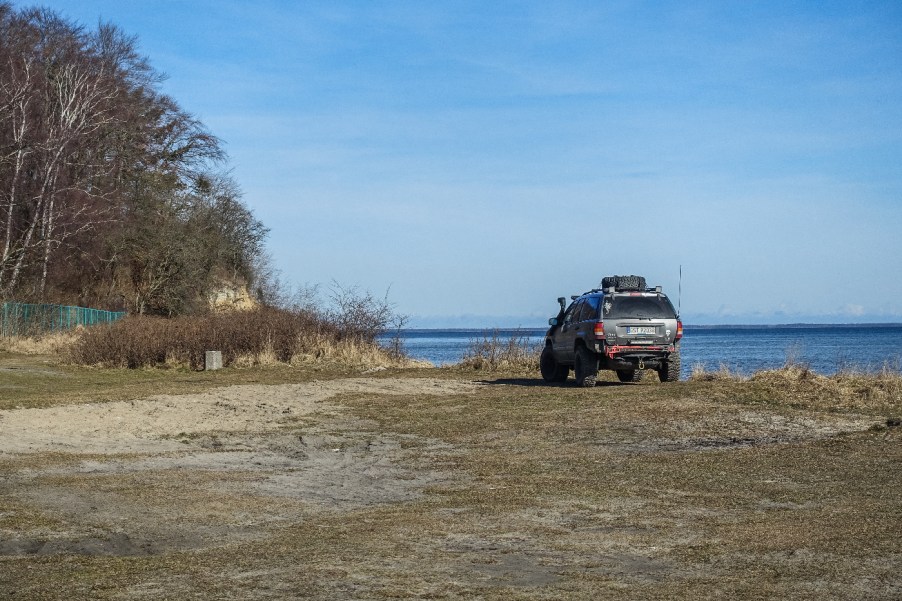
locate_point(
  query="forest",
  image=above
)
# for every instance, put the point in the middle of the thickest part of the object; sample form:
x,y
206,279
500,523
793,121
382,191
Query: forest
x,y
111,194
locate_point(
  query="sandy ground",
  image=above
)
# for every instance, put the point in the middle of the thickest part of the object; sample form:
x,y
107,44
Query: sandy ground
x,y
152,425
271,452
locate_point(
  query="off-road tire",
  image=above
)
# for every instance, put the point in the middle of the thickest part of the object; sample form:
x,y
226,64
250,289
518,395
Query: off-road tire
x,y
624,282
585,367
629,375
670,369
552,371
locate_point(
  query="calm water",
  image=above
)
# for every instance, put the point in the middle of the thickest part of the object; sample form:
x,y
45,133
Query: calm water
x,y
826,349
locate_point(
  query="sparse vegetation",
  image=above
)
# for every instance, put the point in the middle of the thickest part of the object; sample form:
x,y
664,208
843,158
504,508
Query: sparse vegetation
x,y
494,352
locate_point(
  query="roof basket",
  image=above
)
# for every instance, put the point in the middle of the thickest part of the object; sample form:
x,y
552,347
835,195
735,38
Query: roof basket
x,y
623,282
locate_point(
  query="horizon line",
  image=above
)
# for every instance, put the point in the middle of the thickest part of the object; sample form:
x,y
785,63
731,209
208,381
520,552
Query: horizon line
x,y
724,325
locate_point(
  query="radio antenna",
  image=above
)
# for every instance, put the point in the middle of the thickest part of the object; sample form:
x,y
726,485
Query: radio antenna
x,y
680,292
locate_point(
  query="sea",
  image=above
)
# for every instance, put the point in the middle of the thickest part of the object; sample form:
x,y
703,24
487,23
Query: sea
x,y
743,350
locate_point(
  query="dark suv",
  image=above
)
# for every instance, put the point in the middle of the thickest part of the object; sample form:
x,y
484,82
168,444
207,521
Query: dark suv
x,y
622,326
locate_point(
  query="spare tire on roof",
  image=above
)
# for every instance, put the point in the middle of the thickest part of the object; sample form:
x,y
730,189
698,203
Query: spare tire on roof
x,y
623,282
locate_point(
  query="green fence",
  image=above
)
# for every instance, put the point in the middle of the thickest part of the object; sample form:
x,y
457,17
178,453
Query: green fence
x,y
20,319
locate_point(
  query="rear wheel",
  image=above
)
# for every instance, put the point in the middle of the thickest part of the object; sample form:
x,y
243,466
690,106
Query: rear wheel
x,y
585,367
670,369
629,375
552,371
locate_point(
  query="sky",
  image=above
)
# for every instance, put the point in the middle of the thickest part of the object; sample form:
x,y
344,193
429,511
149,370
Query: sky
x,y
476,160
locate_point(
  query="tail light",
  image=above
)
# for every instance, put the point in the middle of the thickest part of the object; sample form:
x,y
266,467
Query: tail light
x,y
679,333
599,330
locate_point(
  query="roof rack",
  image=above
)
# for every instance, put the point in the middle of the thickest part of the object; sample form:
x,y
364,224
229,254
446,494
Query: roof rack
x,y
612,289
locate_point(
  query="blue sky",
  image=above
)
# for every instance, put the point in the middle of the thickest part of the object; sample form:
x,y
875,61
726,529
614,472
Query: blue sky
x,y
483,158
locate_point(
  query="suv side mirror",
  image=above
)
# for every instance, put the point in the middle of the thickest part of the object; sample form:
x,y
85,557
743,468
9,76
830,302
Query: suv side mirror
x,y
553,321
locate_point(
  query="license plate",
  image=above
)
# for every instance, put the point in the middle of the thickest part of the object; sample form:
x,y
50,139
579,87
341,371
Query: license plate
x,y
640,330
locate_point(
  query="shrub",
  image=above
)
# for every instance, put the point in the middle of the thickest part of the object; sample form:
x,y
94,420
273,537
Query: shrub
x,y
360,315
494,352
242,336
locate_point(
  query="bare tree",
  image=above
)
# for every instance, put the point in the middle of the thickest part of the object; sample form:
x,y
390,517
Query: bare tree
x,y
59,100
105,183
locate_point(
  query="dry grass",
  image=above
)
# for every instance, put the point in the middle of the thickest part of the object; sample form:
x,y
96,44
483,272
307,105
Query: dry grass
x,y
723,374
54,343
325,350
707,489
348,352
359,354
846,390
797,385
620,493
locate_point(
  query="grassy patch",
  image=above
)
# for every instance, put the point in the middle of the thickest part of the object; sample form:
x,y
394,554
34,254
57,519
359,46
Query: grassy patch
x,y
43,381
746,488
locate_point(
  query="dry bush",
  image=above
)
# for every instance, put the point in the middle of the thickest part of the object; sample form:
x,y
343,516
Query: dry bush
x,y
243,337
358,314
496,353
130,342
264,336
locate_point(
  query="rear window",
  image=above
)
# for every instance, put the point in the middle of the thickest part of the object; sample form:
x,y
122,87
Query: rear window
x,y
655,307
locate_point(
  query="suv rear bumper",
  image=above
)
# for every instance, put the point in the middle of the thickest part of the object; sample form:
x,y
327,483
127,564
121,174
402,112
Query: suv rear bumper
x,y
632,356
650,350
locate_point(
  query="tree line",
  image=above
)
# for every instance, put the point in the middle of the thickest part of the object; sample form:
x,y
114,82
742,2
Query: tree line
x,y
111,194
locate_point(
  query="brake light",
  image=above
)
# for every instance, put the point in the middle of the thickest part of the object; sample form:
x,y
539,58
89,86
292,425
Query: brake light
x,y
679,333
599,330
